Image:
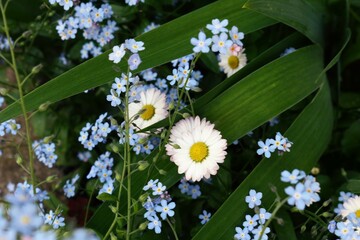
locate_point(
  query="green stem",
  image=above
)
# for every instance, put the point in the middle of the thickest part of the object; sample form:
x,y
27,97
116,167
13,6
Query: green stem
x,y
273,214
89,202
21,94
128,159
173,229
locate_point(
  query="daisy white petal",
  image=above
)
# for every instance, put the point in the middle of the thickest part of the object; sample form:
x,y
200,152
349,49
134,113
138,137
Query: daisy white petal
x,y
201,148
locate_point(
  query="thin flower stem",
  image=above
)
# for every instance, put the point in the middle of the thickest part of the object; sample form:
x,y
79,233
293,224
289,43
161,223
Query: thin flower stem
x,y
6,60
128,158
172,228
21,95
89,202
273,214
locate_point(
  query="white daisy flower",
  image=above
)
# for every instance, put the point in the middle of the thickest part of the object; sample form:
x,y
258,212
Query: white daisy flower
x,y
231,63
352,205
151,108
196,148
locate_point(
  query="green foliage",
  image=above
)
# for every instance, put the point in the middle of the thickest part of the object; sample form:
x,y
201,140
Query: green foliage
x,y
303,84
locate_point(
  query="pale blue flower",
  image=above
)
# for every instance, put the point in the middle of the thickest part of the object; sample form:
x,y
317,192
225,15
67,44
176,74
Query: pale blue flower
x,y
221,43
155,224
201,44
117,54
166,209
263,215
204,217
254,198
151,184
194,191
216,26
159,189
298,196
236,36
134,61
251,222
134,46
265,148
242,234
292,177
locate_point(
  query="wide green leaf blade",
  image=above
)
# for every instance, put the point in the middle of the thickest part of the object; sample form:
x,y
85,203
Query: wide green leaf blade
x,y
163,44
310,134
265,93
301,15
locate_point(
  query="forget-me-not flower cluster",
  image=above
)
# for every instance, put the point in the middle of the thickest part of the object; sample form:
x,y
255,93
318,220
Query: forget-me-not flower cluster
x,y
9,127
253,226
159,205
304,189
181,74
45,152
280,143
102,169
69,187
226,42
186,187
204,217
91,135
94,23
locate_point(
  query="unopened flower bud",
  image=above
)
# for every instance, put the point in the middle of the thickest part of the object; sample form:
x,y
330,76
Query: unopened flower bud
x,y
302,229
186,115
143,165
143,140
314,230
143,226
19,160
176,146
327,202
327,214
113,122
343,173
115,148
280,221
196,89
43,107
162,172
48,139
37,68
26,34
113,209
171,106
51,178
118,177
3,91
143,197
315,171
163,134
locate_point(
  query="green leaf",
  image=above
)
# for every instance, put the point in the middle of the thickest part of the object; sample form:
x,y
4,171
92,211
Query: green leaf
x,y
310,134
300,15
265,93
353,186
106,197
351,140
163,44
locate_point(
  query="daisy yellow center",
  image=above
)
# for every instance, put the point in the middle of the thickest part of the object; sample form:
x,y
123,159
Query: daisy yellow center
x,y
233,62
199,151
148,113
357,213
25,220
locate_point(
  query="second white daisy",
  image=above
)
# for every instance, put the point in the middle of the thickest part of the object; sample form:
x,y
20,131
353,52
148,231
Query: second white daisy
x,y
352,205
232,61
151,108
196,148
